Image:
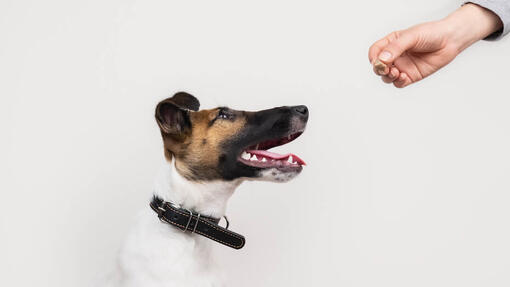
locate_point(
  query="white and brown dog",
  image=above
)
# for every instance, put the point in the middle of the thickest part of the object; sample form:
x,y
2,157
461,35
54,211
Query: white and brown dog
x,y
208,153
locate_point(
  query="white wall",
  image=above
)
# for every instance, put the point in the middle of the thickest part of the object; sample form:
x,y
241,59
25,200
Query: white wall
x,y
403,188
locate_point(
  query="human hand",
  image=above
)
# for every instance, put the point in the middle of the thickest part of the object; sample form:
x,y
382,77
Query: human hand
x,y
407,56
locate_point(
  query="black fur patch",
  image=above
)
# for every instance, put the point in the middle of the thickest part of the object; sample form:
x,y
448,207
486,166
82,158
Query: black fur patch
x,y
185,101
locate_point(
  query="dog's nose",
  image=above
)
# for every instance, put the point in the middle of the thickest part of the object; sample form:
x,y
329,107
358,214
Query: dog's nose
x,y
301,110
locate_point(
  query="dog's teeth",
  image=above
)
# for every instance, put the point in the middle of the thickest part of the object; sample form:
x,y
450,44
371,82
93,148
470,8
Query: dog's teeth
x,y
254,157
264,159
257,147
290,159
245,155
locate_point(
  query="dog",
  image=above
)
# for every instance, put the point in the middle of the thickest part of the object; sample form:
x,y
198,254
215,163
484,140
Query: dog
x,y
208,154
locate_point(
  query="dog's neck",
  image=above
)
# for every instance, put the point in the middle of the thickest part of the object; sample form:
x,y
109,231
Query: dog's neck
x,y
207,198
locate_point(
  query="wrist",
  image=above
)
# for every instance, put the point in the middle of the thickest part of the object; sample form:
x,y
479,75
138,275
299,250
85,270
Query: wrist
x,y
469,24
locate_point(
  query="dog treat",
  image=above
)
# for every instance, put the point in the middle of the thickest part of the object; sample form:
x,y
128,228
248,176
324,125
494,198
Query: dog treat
x,y
379,67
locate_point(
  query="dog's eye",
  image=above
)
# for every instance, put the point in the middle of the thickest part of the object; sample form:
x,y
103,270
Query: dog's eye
x,y
224,114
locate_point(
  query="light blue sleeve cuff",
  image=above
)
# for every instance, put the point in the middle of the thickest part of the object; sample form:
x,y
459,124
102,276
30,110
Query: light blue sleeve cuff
x,y
502,9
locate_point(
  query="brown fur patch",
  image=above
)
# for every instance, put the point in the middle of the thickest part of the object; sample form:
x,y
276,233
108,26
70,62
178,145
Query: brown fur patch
x,y
198,154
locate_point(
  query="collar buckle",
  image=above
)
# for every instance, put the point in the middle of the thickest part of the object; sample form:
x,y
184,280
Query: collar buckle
x,y
189,221
161,211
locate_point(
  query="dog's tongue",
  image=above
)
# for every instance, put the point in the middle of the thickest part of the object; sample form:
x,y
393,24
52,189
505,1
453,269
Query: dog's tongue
x,y
276,156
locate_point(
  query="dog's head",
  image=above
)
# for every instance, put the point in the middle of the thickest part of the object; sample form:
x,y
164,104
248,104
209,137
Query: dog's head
x,y
226,144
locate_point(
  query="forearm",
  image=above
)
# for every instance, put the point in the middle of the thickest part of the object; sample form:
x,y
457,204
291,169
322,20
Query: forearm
x,y
471,23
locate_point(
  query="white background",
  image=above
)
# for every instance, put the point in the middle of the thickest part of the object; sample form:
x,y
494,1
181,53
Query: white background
x,y
403,188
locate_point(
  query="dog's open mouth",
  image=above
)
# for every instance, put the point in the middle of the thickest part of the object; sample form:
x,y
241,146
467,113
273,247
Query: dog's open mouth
x,y
258,155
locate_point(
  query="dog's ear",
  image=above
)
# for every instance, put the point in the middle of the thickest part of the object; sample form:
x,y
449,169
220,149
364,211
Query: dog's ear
x,y
172,119
185,101
172,114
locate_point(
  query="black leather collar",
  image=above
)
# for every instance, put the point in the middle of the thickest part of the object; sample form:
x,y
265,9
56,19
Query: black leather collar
x,y
187,220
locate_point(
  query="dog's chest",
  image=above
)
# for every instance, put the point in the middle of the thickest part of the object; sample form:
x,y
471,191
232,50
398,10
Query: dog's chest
x,y
157,254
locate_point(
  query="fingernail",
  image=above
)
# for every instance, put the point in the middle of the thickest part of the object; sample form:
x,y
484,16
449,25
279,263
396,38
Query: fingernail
x,y
385,56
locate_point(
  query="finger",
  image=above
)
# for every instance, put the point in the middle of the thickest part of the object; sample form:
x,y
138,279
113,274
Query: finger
x,y
410,67
387,79
405,40
402,81
399,83
394,73
377,47
392,76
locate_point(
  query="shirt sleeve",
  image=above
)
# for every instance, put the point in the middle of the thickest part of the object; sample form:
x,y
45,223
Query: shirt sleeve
x,y
502,9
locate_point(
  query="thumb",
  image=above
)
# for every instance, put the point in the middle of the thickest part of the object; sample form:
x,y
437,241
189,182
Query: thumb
x,y
395,48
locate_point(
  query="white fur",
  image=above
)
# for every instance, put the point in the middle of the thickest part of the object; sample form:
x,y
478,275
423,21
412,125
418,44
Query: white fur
x,y
157,254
